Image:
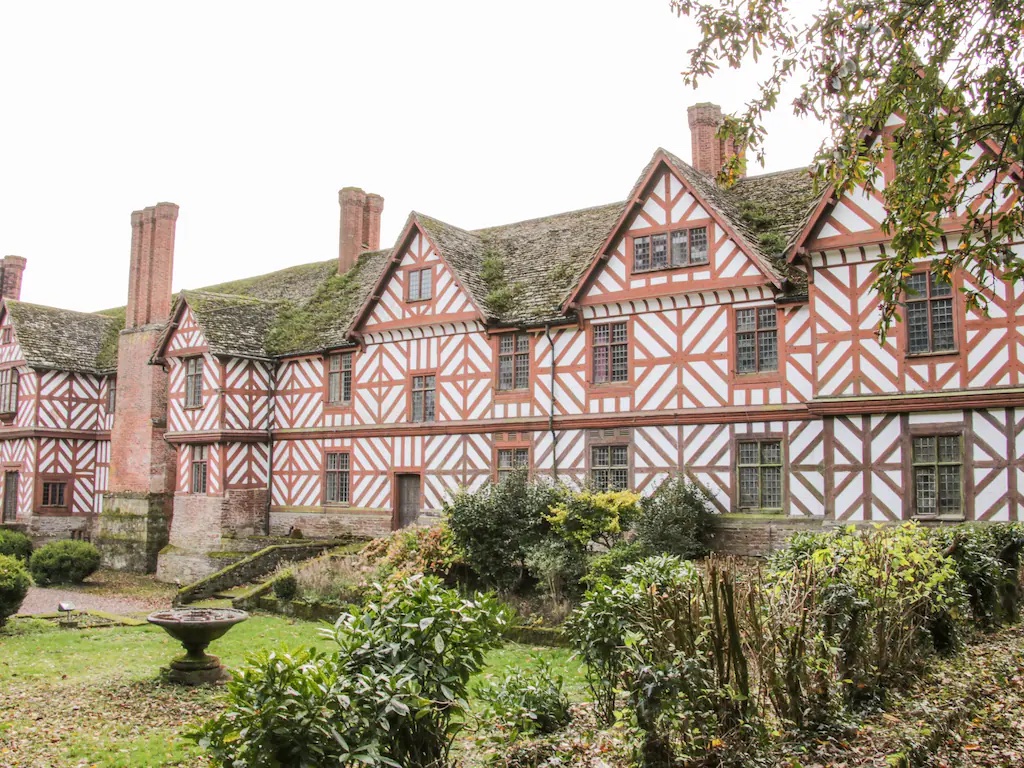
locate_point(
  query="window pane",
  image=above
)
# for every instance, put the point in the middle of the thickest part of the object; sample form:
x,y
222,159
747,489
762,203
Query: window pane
x,y
600,478
771,452
641,254
600,364
924,488
505,372
659,251
699,245
679,249
771,489
522,343
346,386
428,381
949,448
949,490
620,334
767,351
522,371
917,284
620,362
924,449
334,362
766,317
618,479
414,285
334,387
619,454
599,456
745,320
417,382
749,492
331,491
939,288
346,362
332,461
942,325
522,457
428,405
426,277
417,406
746,358
748,453
505,344
917,326
600,334
504,459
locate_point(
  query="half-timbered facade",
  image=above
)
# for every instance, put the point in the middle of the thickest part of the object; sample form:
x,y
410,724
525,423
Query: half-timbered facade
x,y
725,334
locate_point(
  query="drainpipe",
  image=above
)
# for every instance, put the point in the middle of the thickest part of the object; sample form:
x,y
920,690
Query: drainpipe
x,y
272,393
551,408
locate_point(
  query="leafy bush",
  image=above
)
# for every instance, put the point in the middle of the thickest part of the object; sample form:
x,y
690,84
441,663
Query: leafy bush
x,y
15,544
64,562
392,694
584,517
558,567
417,549
987,559
676,520
14,584
611,565
286,586
496,526
525,703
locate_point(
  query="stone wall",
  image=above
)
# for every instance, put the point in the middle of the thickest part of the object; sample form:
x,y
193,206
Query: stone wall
x,y
132,529
321,525
758,535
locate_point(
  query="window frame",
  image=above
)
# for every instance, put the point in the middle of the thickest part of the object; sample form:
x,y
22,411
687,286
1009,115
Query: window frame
x,y
418,271
757,332
413,376
611,466
199,461
329,374
193,393
669,234
592,351
518,358
111,395
937,430
521,450
928,300
8,335
338,473
45,483
10,386
782,467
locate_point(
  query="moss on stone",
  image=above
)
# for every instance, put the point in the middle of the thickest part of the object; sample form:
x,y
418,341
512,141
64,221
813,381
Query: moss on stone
x,y
501,295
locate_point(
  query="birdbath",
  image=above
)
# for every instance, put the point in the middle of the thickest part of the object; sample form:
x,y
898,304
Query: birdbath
x,y
196,628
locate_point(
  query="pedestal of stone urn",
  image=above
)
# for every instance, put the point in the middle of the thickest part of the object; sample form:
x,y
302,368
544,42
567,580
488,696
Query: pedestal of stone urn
x,y
195,629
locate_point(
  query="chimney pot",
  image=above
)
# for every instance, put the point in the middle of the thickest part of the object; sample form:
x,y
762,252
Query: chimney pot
x,y
360,225
709,152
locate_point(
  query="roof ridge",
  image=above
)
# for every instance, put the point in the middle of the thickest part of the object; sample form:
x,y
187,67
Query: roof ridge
x,y
549,216
99,315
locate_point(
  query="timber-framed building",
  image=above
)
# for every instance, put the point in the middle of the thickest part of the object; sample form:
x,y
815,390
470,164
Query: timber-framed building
x,y
727,334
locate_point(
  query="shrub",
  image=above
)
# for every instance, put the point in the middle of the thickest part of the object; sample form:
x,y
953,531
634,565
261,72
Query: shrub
x,y
496,526
611,565
14,584
558,567
15,544
676,520
392,694
525,703
429,550
64,562
987,559
331,578
584,517
286,586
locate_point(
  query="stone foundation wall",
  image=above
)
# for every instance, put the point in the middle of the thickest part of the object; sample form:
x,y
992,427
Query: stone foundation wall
x,y
46,528
757,536
330,525
132,529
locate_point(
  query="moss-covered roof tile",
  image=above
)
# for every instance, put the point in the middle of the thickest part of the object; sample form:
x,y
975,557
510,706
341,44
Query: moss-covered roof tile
x,y
65,340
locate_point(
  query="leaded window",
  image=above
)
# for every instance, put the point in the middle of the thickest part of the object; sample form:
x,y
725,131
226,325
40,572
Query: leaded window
x,y
336,478
938,475
200,460
54,493
609,467
9,390
339,378
420,284
611,353
929,314
111,394
757,343
510,460
760,474
664,251
423,398
194,382
513,361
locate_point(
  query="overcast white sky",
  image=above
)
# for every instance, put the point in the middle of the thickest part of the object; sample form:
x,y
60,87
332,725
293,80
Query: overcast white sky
x,y
251,116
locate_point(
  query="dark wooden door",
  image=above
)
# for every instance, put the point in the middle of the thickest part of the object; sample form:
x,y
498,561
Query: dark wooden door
x,y
408,500
10,496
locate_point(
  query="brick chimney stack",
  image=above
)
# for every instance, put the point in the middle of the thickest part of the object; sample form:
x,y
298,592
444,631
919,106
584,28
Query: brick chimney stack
x,y
710,153
152,261
11,270
360,225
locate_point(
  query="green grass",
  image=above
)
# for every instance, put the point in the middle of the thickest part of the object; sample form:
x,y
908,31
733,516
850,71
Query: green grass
x,y
95,697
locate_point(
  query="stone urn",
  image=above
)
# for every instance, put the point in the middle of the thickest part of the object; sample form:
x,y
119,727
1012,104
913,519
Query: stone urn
x,y
196,628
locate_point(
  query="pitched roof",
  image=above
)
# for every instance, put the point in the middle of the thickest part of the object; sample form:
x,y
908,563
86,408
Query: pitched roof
x,y
233,324
65,340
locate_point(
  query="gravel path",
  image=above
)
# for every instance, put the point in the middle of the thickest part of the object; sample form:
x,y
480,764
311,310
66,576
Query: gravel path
x,y
42,600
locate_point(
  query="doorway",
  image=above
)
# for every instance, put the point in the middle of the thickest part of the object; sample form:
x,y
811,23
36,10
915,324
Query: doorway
x,y
407,505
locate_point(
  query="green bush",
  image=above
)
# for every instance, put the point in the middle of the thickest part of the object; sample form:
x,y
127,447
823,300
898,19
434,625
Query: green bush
x,y
676,520
15,544
392,694
987,558
286,587
587,517
64,562
429,550
611,565
525,703
495,527
558,567
14,584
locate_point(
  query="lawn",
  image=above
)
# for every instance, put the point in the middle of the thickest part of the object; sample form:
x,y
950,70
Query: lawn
x,y
95,698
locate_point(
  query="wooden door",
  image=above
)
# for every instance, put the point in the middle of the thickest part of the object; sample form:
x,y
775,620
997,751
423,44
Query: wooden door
x,y
408,506
10,496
